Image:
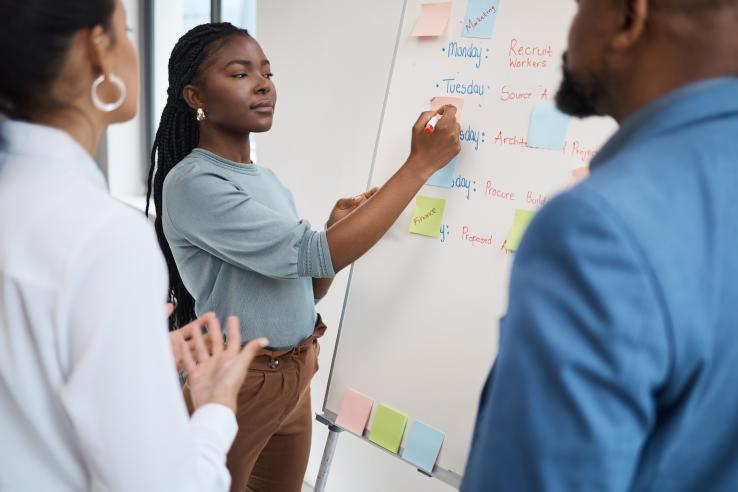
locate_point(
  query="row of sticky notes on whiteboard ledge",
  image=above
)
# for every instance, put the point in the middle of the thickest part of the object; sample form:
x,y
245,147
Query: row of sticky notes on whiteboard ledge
x,y
388,428
479,20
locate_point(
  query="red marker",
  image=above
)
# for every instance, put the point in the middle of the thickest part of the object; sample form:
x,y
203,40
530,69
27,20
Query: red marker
x,y
431,126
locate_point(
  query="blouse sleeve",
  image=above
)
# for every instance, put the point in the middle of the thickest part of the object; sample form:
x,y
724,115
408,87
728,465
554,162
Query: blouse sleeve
x,y
215,215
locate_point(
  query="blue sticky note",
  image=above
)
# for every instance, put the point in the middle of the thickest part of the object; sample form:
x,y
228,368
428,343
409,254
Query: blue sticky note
x,y
479,21
444,176
548,127
423,445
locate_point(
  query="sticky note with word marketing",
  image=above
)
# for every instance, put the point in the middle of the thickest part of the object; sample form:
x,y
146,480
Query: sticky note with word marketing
x,y
444,177
427,216
520,224
479,21
456,102
422,446
388,428
353,415
433,20
548,127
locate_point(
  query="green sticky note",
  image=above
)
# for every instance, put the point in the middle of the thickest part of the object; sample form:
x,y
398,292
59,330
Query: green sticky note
x,y
427,216
520,224
388,428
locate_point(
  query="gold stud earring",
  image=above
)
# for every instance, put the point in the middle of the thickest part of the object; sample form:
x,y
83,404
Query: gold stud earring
x,y
200,114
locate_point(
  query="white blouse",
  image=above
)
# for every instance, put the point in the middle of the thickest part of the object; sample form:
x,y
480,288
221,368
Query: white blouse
x,y
89,395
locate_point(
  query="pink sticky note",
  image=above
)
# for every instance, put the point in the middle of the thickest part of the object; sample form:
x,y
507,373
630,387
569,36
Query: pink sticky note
x,y
354,412
578,174
433,19
457,102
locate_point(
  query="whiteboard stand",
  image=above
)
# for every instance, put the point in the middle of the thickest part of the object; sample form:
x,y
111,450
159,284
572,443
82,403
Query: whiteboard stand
x,y
447,476
330,449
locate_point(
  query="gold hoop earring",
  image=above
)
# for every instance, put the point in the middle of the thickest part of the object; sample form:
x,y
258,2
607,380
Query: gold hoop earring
x,y
200,114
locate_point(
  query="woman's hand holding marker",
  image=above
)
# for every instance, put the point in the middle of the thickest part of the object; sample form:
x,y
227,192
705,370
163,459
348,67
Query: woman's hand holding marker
x,y
363,220
435,140
431,126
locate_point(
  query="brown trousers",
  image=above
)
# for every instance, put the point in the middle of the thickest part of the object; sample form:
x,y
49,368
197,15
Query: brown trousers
x,y
272,447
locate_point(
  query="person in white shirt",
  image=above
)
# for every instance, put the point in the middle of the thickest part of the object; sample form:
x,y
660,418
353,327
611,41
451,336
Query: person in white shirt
x,y
89,393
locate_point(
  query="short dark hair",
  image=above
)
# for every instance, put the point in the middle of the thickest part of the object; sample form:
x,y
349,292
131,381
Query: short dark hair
x,y
37,35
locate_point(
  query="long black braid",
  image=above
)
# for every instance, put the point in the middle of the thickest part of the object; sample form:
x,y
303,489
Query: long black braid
x,y
177,135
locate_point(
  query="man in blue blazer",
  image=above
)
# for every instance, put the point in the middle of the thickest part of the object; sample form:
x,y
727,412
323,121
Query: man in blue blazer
x,y
618,361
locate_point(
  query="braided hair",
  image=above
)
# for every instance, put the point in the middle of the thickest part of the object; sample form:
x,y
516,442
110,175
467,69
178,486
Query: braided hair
x,y
177,135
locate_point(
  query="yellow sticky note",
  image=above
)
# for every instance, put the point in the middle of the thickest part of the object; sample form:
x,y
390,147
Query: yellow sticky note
x,y
427,216
388,428
433,19
520,224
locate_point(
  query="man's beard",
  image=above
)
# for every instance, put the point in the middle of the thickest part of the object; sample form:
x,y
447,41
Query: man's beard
x,y
579,97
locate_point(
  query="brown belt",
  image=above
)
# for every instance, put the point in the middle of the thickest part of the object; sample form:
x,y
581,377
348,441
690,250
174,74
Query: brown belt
x,y
269,359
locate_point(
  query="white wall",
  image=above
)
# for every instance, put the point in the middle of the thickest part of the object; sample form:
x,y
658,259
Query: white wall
x,y
331,61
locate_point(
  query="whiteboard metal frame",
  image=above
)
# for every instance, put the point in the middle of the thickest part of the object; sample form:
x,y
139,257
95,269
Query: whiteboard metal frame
x,y
328,418
368,184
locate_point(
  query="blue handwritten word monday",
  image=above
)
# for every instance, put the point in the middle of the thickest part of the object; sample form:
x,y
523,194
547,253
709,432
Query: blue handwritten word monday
x,y
470,51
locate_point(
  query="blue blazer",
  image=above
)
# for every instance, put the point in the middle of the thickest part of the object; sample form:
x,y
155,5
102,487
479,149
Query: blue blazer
x,y
618,361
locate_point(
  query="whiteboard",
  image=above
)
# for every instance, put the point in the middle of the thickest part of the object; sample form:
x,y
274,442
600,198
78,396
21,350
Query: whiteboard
x,y
419,330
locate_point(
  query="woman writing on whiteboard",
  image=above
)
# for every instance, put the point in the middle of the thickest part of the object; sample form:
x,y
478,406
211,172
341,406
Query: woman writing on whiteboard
x,y
235,244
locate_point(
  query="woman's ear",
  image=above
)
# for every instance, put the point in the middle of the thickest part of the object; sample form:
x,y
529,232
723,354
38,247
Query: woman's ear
x,y
633,25
99,43
192,96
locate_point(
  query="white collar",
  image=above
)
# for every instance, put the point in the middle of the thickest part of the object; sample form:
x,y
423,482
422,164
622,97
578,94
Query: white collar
x,y
51,146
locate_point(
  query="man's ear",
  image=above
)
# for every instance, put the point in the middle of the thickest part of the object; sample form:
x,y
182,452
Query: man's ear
x,y
192,97
634,16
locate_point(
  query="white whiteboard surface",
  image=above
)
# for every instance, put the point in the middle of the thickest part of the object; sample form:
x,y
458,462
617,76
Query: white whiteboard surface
x,y
419,330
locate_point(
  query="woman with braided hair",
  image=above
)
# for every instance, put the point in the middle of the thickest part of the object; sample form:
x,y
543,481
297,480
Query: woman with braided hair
x,y
235,244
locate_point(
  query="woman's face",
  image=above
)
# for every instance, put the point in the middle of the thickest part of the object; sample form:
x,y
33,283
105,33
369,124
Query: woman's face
x,y
234,87
123,62
95,51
